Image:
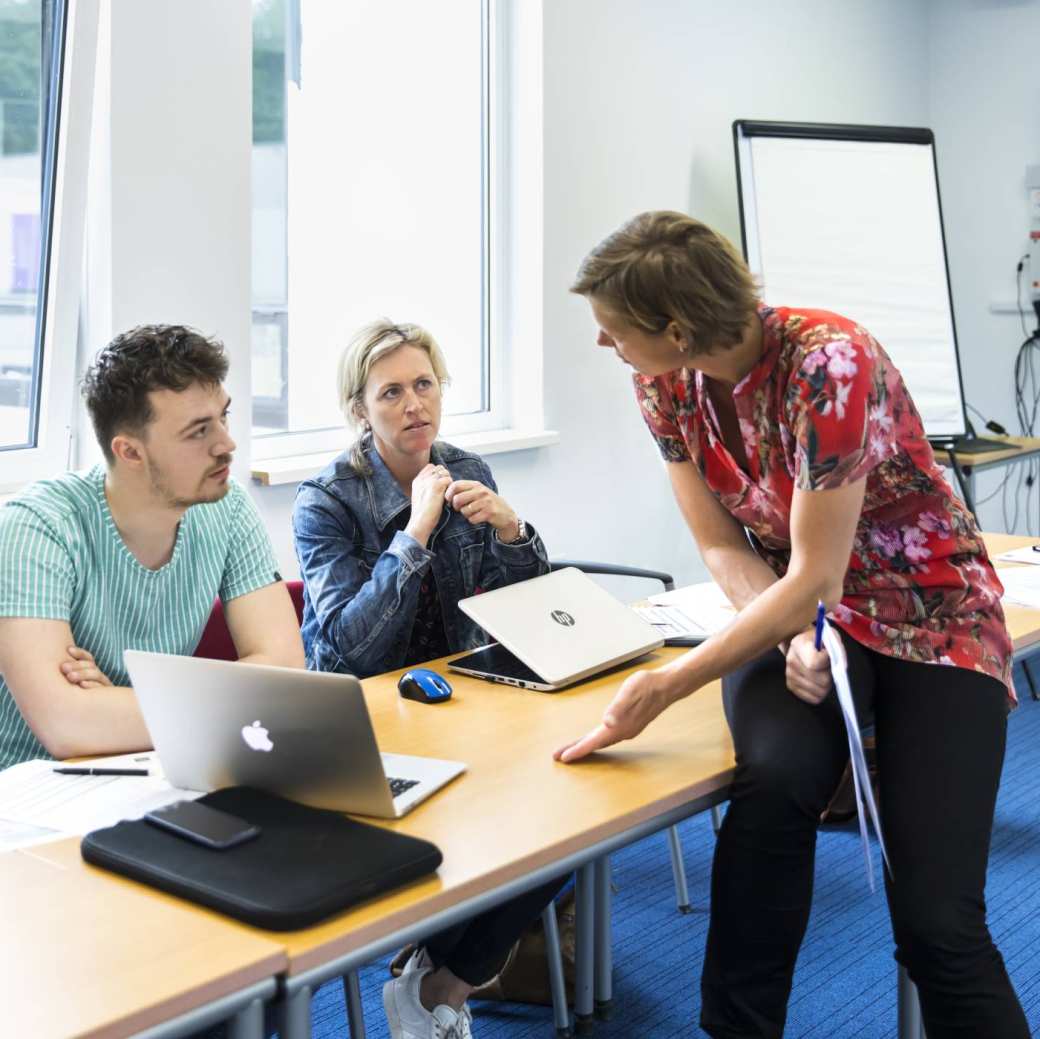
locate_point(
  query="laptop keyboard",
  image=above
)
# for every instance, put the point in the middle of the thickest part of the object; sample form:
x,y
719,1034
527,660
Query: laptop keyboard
x,y
399,786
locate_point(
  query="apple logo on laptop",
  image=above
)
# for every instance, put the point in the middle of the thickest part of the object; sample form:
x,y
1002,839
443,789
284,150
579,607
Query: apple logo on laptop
x,y
256,737
562,617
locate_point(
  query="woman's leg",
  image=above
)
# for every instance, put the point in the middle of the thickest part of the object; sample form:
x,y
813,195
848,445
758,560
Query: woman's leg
x,y
790,757
940,747
475,950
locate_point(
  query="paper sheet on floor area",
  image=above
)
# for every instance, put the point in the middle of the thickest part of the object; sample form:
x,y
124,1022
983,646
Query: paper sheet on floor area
x,y
33,794
860,776
1021,584
1028,554
704,605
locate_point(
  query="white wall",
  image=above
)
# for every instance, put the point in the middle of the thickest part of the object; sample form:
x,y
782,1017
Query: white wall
x,y
984,105
639,98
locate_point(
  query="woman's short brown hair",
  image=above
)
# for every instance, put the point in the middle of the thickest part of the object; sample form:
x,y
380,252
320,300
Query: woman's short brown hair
x,y
663,266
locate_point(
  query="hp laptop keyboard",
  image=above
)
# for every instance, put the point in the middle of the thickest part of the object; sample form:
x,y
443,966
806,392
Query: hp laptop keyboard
x,y
399,786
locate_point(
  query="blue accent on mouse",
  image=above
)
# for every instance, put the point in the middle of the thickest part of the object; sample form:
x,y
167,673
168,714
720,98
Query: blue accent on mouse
x,y
424,685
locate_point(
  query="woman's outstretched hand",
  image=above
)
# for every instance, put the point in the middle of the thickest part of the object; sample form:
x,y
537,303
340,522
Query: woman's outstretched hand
x,y
641,698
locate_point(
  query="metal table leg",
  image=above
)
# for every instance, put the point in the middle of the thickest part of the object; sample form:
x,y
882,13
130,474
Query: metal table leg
x,y
910,1024
557,985
352,998
584,953
603,977
295,1014
716,818
682,895
248,1022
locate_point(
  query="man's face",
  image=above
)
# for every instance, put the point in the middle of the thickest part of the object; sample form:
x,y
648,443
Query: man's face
x,y
186,447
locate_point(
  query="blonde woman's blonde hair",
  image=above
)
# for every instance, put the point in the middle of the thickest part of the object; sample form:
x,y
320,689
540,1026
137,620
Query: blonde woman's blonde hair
x,y
368,345
664,266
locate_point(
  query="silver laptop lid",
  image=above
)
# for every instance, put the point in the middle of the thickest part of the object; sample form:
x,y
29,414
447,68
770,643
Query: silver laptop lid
x,y
563,625
305,735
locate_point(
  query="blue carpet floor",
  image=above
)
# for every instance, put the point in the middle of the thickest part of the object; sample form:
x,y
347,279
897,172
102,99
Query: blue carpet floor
x,y
845,982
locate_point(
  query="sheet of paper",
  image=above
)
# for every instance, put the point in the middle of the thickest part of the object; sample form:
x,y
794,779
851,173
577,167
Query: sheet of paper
x,y
1029,554
704,604
1021,584
670,622
860,776
21,835
33,794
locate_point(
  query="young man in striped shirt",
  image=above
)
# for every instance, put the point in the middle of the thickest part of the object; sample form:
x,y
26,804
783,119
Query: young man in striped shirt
x,y
132,553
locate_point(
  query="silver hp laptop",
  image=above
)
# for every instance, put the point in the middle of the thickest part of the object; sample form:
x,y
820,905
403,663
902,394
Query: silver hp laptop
x,y
305,735
553,631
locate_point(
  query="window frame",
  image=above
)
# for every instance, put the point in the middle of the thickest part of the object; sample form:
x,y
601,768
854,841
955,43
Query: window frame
x,y
497,21
65,157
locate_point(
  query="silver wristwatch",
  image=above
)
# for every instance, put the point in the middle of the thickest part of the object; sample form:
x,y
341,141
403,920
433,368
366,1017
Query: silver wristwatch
x,y
521,533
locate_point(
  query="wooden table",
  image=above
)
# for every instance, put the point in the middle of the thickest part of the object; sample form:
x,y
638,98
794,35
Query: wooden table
x,y
130,958
965,466
86,953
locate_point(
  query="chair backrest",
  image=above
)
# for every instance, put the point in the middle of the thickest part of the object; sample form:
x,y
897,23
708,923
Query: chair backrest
x,y
216,642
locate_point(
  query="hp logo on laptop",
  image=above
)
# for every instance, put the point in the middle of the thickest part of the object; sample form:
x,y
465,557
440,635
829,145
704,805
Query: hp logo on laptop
x,y
561,617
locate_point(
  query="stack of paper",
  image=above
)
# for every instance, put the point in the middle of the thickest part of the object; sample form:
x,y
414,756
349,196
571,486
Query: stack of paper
x,y
38,804
1028,554
860,776
702,608
1021,584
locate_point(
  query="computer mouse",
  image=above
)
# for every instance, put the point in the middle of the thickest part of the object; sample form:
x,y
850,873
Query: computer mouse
x,y
424,685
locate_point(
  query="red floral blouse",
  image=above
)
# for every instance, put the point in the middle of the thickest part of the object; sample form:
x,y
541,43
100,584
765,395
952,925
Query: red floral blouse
x,y
823,407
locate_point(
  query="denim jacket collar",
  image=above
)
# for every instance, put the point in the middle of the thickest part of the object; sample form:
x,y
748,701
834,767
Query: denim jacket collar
x,y
385,496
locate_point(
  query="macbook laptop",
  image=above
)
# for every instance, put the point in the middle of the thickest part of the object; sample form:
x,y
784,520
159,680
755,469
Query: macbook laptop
x,y
305,735
553,631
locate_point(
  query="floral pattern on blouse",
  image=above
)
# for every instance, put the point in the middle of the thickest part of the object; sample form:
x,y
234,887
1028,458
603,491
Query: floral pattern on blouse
x,y
824,407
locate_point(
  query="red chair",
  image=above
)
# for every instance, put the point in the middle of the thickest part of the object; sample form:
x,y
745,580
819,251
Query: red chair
x,y
216,642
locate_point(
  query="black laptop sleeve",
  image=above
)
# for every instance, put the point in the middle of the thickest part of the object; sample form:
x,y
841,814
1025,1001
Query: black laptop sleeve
x,y
307,863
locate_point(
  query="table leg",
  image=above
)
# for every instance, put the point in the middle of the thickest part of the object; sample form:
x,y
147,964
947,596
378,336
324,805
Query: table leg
x,y
352,998
248,1023
603,980
716,818
584,952
557,985
910,1025
295,1014
682,895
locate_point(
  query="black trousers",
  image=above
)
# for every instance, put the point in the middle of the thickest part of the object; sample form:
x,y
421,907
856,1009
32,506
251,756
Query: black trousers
x,y
476,949
940,748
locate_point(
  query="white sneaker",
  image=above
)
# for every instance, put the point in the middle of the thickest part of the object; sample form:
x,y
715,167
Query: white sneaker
x,y
409,1019
419,960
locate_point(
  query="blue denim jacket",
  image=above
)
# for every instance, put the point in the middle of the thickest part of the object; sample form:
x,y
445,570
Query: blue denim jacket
x,y
362,576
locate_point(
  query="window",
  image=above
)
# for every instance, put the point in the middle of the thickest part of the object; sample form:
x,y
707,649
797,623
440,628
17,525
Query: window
x,y
42,184
371,197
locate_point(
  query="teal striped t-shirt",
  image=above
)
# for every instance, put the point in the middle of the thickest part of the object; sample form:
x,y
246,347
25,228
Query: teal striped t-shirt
x,y
62,558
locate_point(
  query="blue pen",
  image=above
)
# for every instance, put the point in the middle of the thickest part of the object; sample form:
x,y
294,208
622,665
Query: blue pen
x,y
820,611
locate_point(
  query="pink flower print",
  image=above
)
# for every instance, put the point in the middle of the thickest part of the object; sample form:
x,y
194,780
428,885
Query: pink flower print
x,y
880,417
936,524
842,398
813,360
843,613
842,363
914,549
886,539
747,430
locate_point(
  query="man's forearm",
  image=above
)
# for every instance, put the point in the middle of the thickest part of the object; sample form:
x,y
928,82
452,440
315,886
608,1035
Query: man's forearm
x,y
87,722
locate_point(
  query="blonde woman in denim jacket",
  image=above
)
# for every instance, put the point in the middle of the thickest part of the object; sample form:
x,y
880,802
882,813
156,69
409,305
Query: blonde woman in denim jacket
x,y
389,537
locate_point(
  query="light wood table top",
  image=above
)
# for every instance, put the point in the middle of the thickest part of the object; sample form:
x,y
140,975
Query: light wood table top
x,y
515,809
1022,621
88,954
1026,446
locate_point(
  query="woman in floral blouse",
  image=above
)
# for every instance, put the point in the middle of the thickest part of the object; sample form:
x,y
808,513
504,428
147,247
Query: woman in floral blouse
x,y
800,464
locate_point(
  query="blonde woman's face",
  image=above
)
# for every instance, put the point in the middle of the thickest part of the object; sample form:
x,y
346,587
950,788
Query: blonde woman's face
x,y
402,403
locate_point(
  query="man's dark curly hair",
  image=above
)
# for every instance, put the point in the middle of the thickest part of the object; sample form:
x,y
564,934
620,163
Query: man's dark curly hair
x,y
147,358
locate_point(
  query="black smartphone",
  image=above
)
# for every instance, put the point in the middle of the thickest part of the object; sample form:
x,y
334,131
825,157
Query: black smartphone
x,y
204,825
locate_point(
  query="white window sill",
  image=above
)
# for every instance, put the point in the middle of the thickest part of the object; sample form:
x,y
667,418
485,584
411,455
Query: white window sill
x,y
271,472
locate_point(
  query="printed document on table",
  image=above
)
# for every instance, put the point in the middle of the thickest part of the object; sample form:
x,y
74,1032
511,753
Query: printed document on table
x,y
1021,585
1028,554
33,797
704,605
860,776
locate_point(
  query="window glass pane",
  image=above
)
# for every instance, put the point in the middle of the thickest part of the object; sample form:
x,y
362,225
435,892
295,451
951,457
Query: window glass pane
x,y
24,97
368,193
